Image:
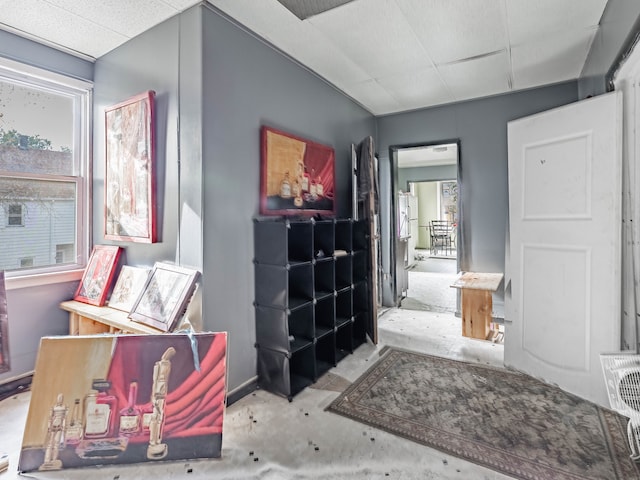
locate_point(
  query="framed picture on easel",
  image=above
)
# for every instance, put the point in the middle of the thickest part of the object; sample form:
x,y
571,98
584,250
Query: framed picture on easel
x,y
165,296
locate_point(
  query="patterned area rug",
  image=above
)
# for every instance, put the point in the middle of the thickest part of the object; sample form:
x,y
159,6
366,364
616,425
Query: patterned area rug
x,y
503,420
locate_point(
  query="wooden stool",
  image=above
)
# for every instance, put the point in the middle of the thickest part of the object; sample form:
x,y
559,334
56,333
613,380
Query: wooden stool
x,y
477,302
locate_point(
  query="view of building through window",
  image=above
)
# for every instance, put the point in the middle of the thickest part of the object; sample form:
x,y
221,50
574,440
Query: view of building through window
x,y
39,173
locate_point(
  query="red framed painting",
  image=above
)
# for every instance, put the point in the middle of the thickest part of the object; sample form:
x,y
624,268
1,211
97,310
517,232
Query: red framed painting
x,y
98,275
130,183
297,175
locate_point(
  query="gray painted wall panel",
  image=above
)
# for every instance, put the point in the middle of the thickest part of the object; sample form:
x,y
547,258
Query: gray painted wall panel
x,y
147,62
425,174
26,51
248,84
481,126
616,25
191,133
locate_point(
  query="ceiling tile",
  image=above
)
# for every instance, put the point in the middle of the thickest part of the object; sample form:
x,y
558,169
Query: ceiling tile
x,y
455,30
272,21
127,18
373,96
375,35
44,20
181,5
478,77
417,89
553,59
529,20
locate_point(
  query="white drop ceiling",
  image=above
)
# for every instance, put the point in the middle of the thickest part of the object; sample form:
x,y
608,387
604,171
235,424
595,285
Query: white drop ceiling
x,y
388,55
431,156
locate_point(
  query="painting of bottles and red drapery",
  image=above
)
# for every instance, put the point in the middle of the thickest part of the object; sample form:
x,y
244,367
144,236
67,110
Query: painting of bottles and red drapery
x,y
297,175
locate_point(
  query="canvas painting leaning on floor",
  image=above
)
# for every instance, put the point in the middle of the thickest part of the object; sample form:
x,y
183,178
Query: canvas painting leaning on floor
x,y
100,400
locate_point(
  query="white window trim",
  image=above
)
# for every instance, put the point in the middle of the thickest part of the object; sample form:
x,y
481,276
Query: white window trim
x,y
36,280
55,274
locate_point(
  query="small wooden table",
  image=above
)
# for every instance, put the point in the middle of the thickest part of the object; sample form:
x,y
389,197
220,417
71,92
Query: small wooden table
x,y
477,302
85,319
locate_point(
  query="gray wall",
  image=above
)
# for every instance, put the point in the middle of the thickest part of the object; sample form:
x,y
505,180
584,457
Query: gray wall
x,y
481,126
34,312
248,84
617,25
425,174
219,84
35,54
147,62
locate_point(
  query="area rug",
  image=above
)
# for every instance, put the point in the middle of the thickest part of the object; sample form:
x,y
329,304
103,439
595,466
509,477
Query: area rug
x,y
506,421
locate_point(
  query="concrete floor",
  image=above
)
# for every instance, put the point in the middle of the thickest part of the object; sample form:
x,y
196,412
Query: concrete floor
x,y
267,437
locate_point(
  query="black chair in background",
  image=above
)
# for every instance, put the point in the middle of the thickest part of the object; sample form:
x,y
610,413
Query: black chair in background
x,y
441,235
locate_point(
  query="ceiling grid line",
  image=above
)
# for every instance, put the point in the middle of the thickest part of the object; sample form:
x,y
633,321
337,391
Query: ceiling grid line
x,y
433,64
388,56
505,19
85,19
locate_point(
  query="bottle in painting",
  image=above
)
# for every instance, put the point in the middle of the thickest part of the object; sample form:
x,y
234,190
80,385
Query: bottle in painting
x,y
312,186
100,413
74,426
285,186
305,180
130,415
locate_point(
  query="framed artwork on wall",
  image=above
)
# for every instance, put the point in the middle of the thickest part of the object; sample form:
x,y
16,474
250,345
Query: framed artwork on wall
x,y
297,176
165,296
130,183
97,276
128,287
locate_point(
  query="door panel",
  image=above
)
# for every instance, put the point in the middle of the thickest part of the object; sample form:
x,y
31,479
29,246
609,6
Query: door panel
x,y
565,243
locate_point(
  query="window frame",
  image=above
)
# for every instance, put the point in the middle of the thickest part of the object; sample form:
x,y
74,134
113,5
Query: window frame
x,y
82,93
10,215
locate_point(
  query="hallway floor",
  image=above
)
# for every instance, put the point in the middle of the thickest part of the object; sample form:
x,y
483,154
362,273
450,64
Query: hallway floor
x,y
267,437
430,280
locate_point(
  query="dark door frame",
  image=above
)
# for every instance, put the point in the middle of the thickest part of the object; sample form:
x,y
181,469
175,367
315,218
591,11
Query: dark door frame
x,y
461,235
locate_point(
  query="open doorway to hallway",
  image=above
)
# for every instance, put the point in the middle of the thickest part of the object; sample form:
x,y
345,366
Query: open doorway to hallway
x,y
432,250
430,235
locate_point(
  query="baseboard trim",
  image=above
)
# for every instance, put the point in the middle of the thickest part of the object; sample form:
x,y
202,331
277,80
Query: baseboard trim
x,y
242,390
18,385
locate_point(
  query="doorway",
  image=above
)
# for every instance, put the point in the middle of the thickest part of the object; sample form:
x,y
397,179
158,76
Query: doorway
x,y
414,319
428,200
432,247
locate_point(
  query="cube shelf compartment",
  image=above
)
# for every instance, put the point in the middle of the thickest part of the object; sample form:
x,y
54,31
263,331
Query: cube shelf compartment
x,y
311,298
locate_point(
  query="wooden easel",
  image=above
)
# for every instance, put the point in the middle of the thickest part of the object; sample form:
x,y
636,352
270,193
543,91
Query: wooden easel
x,y
366,207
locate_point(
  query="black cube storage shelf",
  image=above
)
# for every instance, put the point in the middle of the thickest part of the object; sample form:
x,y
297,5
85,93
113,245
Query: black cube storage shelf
x,y
311,298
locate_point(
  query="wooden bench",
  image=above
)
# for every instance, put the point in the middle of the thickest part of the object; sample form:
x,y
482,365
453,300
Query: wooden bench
x,y
85,319
477,302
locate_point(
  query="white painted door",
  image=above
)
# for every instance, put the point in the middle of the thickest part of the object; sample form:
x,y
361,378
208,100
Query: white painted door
x,y
562,301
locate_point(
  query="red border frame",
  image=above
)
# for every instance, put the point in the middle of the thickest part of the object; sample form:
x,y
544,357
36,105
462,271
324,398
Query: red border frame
x,y
148,97
302,211
104,259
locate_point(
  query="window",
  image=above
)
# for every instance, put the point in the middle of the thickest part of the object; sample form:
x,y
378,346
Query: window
x,y
64,253
26,262
43,169
15,217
